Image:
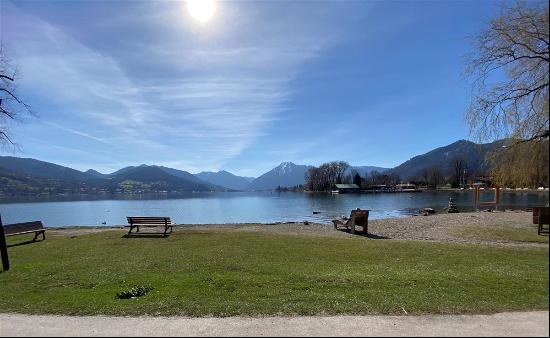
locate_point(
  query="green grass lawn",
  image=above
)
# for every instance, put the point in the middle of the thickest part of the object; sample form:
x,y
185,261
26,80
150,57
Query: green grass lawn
x,y
239,273
507,233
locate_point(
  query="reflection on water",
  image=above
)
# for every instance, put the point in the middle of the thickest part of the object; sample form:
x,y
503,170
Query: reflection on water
x,y
245,207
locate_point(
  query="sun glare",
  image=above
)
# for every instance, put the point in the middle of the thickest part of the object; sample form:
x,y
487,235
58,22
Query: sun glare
x,y
201,10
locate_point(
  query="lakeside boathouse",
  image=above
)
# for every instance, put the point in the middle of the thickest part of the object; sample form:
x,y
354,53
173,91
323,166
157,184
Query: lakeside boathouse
x,y
345,188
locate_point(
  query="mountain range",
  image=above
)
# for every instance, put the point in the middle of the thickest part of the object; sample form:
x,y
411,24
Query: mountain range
x,y
31,176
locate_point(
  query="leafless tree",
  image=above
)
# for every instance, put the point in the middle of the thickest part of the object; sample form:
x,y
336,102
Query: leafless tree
x,y
435,176
11,105
340,167
374,177
508,70
357,179
425,174
458,165
377,178
323,177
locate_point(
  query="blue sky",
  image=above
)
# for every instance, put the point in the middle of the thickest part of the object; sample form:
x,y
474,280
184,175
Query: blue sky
x,y
117,83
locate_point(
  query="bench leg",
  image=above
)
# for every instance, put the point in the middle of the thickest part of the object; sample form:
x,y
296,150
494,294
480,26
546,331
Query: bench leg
x,y
38,233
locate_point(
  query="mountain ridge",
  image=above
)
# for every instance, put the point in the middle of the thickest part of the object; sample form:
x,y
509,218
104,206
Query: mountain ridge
x,y
19,174
475,155
42,169
225,179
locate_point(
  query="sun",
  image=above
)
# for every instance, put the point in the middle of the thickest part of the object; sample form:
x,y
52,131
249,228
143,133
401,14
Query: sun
x,y
201,10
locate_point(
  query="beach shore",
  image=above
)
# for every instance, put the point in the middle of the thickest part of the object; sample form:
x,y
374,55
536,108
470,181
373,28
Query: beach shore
x,y
441,227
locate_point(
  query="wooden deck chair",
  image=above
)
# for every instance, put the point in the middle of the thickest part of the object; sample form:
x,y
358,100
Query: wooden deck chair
x,y
357,217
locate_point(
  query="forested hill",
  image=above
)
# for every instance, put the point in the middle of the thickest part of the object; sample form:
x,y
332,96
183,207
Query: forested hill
x,y
474,155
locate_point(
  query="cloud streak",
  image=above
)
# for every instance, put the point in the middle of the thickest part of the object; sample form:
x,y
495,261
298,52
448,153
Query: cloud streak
x,y
185,96
76,132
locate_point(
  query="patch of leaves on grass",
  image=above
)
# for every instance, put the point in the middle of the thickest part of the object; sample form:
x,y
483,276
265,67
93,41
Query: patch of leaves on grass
x,y
136,291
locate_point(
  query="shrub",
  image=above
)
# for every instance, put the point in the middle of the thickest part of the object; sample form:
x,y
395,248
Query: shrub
x,y
136,291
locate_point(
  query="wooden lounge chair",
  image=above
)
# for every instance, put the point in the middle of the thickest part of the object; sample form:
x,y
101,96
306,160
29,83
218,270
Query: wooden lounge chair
x,y
358,217
136,222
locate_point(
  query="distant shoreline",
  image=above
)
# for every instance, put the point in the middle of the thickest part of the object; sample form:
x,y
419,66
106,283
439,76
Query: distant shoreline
x,y
163,194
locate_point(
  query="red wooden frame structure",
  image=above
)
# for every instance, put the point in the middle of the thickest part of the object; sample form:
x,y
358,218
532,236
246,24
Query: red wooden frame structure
x,y
477,200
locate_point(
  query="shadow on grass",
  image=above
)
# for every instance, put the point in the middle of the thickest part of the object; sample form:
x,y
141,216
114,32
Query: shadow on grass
x,y
373,236
146,235
25,243
363,234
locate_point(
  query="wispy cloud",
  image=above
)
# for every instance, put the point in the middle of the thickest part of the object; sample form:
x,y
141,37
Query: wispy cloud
x,y
205,98
76,132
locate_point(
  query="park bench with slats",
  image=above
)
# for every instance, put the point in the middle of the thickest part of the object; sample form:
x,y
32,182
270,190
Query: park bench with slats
x,y
141,221
35,227
358,217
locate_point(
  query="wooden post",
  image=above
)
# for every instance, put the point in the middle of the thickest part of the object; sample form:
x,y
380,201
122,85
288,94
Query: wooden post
x,y
539,216
4,248
476,198
497,197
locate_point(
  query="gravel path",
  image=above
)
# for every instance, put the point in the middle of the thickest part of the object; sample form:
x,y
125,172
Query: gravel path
x,y
510,324
442,227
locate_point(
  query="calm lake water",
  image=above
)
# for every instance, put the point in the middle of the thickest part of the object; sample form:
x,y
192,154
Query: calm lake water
x,y
245,207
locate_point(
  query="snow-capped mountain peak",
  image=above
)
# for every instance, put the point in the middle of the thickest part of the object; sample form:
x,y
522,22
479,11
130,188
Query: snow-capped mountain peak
x,y
284,168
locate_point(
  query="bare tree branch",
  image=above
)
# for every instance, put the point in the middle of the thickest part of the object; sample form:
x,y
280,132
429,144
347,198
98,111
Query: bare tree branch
x,y
515,47
11,105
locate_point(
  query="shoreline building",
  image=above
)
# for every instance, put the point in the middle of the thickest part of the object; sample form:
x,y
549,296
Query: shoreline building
x,y
345,188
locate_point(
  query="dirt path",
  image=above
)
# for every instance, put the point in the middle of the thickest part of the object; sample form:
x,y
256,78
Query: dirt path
x,y
502,324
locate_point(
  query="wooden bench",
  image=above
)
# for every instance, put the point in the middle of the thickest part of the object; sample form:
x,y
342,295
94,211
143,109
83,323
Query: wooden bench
x,y
540,217
26,228
136,222
358,217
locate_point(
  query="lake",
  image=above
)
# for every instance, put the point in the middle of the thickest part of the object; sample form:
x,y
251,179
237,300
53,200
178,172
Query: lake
x,y
243,207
